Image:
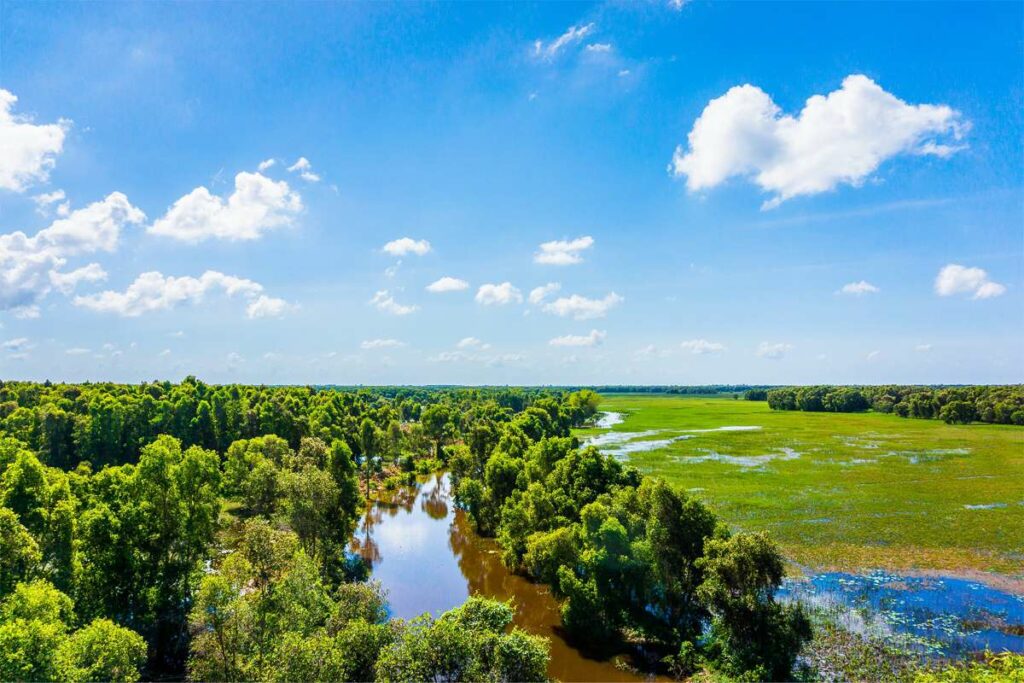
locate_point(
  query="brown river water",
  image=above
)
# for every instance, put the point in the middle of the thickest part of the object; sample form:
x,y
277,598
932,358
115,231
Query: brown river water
x,y
425,553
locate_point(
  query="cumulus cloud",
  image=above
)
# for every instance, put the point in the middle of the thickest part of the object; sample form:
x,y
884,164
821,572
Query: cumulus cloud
x,y
304,169
265,306
447,284
582,308
153,291
407,245
266,165
257,205
593,339
498,295
31,267
572,36
29,150
563,252
386,303
538,294
838,138
859,288
957,279
370,344
774,351
702,346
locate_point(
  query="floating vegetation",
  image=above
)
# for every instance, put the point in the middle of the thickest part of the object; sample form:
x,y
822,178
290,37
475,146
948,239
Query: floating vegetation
x,y
931,617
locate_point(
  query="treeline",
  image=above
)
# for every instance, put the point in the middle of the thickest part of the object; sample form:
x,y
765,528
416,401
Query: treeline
x,y
110,423
685,390
634,560
954,405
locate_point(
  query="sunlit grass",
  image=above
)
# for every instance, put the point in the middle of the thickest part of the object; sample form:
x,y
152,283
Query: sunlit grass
x,y
856,490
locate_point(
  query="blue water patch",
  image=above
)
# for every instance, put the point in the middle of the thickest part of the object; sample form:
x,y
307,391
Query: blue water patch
x,y
935,616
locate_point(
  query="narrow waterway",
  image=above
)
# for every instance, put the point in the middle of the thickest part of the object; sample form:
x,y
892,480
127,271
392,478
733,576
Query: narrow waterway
x,y
422,549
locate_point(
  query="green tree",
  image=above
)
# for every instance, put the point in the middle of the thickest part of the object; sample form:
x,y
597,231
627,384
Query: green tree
x,y
102,651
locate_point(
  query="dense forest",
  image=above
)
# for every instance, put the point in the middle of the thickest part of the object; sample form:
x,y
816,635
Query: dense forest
x,y
954,405
193,531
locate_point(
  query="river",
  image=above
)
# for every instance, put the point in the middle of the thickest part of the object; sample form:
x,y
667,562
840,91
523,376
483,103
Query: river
x,y
425,553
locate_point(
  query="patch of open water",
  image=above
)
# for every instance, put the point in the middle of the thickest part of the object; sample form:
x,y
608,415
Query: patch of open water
x,y
933,616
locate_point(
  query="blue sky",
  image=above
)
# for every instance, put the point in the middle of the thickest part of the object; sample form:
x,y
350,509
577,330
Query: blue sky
x,y
728,192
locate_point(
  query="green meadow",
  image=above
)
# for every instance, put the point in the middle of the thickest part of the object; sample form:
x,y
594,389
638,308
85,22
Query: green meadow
x,y
841,491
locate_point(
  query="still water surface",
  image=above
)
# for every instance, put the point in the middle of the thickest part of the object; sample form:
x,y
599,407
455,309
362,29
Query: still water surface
x,y
429,559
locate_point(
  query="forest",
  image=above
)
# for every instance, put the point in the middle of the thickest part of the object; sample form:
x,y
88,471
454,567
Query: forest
x,y
953,405
191,531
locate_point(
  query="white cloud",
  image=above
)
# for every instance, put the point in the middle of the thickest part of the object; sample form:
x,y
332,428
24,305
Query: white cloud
x,y
153,291
29,150
76,351
66,283
498,295
923,348
582,308
677,4
538,294
563,252
957,279
407,245
859,288
265,306
17,344
702,346
164,353
26,312
872,355
257,205
304,169
573,35
593,339
31,267
45,200
266,164
774,351
838,138
381,344
471,343
447,284
386,303
599,47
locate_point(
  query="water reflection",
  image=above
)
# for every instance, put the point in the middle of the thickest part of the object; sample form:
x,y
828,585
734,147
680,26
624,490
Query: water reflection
x,y
430,560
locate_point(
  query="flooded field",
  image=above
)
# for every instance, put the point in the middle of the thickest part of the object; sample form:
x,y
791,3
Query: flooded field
x,y
429,560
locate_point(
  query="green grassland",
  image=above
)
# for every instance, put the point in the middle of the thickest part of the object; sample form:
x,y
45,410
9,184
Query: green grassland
x,y
844,491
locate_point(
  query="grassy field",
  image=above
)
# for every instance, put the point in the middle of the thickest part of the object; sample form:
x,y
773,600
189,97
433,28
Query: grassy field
x,y
842,491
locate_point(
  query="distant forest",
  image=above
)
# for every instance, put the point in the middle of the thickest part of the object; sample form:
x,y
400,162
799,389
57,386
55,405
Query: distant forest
x,y
954,405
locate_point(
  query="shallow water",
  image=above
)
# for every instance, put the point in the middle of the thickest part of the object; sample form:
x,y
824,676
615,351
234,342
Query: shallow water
x,y
609,419
933,616
429,559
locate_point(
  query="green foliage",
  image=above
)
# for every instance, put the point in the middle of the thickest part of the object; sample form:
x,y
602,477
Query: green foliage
x,y
467,643
954,405
1006,667
102,651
